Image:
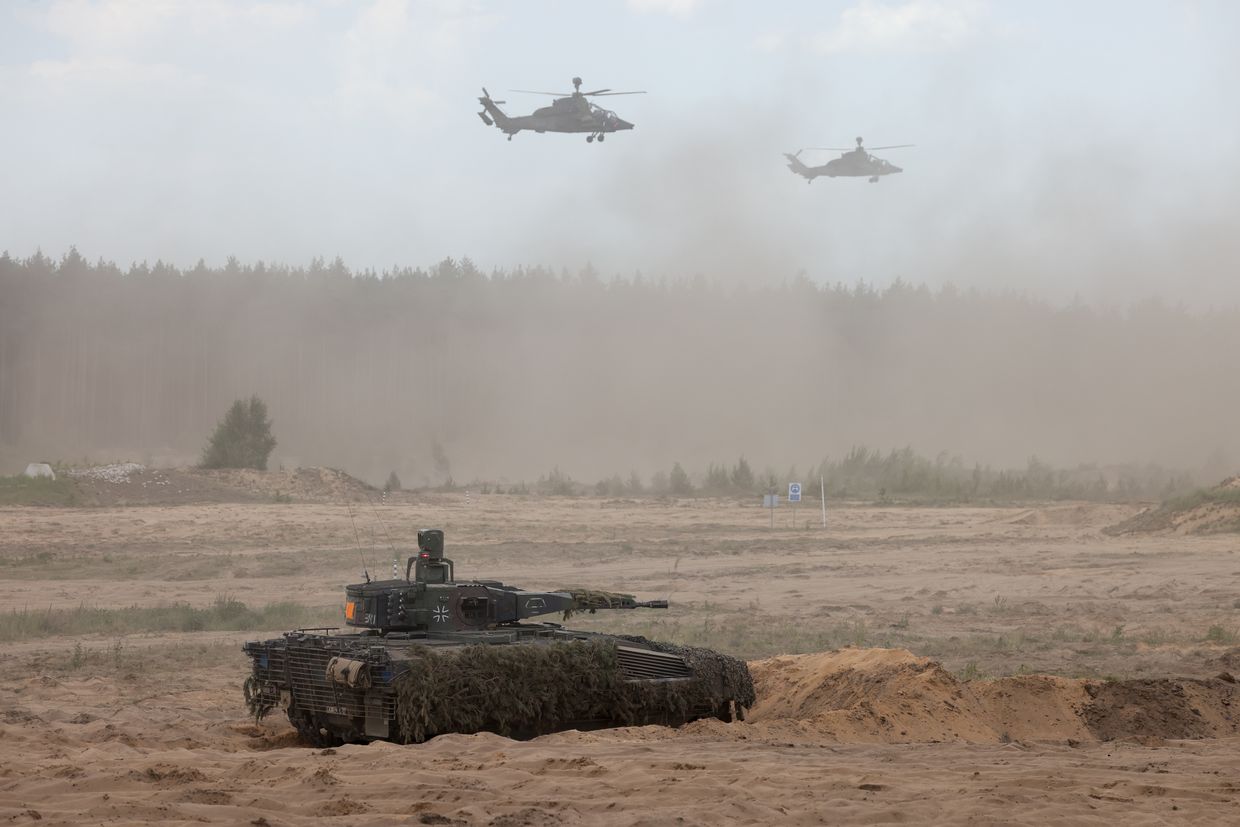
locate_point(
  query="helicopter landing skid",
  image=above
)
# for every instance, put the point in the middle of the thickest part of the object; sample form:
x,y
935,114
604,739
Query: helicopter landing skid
x,y
599,135
873,179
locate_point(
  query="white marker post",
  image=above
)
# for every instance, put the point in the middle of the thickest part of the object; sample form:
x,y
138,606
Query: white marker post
x,y
823,482
771,501
794,497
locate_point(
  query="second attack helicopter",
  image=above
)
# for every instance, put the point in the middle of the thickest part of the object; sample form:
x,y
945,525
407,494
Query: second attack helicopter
x,y
854,163
569,112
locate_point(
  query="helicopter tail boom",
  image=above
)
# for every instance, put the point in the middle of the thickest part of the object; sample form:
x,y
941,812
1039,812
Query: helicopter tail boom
x,y
796,165
492,115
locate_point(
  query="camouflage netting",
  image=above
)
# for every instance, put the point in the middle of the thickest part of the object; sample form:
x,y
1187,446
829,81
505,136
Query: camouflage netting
x,y
531,689
591,600
723,676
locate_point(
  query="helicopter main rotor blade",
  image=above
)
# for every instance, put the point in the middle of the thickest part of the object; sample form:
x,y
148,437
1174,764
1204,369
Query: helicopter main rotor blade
x,y
851,148
532,92
606,94
596,92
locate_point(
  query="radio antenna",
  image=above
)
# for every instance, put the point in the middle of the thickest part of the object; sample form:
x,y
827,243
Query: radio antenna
x,y
382,524
357,538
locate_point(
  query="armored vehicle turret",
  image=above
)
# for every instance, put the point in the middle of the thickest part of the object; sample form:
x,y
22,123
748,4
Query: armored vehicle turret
x,y
429,654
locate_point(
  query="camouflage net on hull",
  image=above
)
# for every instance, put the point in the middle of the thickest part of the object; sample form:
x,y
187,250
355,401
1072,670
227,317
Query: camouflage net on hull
x,y
722,676
531,689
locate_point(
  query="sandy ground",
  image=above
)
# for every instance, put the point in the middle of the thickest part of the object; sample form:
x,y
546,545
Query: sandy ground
x,y
151,728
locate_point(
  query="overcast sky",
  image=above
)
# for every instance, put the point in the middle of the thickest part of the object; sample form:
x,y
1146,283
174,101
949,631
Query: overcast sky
x,y
1062,148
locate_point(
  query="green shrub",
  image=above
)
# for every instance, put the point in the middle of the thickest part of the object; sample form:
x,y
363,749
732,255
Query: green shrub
x,y
242,439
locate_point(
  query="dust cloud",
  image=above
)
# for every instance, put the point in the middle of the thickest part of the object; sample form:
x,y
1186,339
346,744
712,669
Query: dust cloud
x,y
508,375
1053,275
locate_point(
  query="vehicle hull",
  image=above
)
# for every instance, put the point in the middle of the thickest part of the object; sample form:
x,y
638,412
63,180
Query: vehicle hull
x,y
519,680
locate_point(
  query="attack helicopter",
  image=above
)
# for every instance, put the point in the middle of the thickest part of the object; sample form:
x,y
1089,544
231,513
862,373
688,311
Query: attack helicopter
x,y
569,112
853,163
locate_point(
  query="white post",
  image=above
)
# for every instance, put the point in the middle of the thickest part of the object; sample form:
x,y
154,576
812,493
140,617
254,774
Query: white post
x,y
823,482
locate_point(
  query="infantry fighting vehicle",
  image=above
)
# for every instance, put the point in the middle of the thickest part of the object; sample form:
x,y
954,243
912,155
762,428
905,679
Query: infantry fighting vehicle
x,y
433,654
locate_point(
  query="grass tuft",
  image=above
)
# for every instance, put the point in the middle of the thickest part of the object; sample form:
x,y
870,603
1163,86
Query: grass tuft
x,y
22,490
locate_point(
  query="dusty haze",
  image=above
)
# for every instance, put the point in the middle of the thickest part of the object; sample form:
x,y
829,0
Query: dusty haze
x,y
1069,207
516,373
1060,150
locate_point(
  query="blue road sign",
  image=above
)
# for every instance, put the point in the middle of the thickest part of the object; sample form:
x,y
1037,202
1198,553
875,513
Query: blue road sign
x,y
794,492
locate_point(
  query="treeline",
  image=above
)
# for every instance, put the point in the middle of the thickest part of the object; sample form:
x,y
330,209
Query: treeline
x,y
448,371
900,474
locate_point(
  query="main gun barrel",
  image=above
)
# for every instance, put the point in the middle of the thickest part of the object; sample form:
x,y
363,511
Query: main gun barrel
x,y
591,600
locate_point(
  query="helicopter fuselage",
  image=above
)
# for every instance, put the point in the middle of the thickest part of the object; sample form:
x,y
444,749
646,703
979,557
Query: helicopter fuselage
x,y
573,114
852,164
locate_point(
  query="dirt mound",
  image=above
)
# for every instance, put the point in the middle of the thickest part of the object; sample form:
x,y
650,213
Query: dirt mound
x,y
892,696
133,484
1079,514
1204,511
303,484
1164,708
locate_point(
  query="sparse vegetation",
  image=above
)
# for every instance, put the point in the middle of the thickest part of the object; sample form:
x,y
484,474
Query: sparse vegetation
x,y
136,663
1172,511
22,490
224,614
971,672
899,476
242,439
1220,634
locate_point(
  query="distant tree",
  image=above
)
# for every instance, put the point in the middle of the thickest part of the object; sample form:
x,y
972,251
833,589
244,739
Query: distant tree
x,y
610,487
635,484
242,439
443,468
557,483
659,483
678,481
742,476
717,481
393,482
